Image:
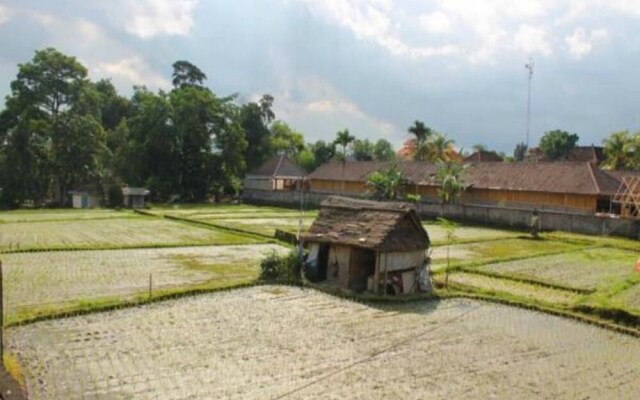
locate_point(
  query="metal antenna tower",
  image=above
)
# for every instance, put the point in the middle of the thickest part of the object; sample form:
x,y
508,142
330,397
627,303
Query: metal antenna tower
x,y
529,67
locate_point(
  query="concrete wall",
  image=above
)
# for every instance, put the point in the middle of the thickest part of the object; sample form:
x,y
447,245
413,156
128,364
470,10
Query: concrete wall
x,y
510,217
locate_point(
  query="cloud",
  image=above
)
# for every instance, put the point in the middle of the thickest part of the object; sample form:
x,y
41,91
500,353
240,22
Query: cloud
x,y
581,43
150,18
133,70
532,40
318,109
372,20
5,14
436,22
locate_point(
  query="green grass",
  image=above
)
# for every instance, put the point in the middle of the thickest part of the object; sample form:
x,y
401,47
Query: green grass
x,y
22,216
480,253
587,269
466,234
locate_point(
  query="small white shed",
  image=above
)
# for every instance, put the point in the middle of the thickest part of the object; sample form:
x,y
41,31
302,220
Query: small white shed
x,y
134,197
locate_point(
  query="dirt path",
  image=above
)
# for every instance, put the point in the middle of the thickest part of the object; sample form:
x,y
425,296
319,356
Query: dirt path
x,y
280,342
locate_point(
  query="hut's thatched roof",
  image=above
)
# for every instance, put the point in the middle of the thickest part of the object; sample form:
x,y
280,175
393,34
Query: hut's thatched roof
x,y
368,224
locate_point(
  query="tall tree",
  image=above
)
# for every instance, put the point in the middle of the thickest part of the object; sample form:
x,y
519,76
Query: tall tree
x,y
187,74
450,176
363,150
420,131
618,150
437,148
322,151
520,152
285,140
383,150
344,139
556,144
254,119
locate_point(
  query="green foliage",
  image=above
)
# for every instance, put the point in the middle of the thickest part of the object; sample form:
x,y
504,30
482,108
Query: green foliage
x,y
285,140
622,150
386,184
281,268
363,150
186,74
254,119
306,159
383,151
520,152
556,144
421,132
322,152
450,176
344,139
115,199
413,198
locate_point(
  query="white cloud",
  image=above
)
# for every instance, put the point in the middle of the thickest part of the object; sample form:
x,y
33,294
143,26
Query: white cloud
x,y
319,110
581,43
372,20
5,14
436,22
532,40
149,18
133,70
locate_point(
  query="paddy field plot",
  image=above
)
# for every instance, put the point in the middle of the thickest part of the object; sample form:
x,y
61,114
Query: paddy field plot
x,y
60,215
260,225
48,281
586,269
110,233
496,250
438,235
271,341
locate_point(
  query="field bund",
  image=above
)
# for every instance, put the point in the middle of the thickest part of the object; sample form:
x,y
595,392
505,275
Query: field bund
x,y
283,342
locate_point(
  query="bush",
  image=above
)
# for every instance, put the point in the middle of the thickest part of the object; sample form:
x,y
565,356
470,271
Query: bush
x,y
115,199
281,268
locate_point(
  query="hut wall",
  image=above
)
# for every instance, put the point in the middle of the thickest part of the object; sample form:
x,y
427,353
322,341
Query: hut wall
x,y
397,261
336,186
338,265
258,183
575,201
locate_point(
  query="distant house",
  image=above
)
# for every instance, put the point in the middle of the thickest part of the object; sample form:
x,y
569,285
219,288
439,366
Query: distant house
x,y
278,173
365,245
134,197
86,196
563,186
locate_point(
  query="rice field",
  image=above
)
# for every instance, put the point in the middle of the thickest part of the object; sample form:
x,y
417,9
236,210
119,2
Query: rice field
x,y
281,342
59,280
110,233
478,253
464,234
585,269
60,215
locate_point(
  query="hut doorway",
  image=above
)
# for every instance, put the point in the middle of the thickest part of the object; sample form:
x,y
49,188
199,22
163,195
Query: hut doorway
x,y
361,267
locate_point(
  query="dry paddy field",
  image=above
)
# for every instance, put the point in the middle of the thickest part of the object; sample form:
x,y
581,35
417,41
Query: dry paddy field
x,y
273,342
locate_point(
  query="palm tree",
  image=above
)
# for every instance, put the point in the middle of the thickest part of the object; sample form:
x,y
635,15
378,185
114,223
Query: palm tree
x,y
450,176
617,149
437,148
344,139
420,131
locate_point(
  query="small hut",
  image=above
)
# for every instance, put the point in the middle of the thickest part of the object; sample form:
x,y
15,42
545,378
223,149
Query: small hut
x,y
87,196
366,245
134,197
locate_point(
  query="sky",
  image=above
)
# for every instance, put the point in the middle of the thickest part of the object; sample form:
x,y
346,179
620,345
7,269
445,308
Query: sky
x,y
372,66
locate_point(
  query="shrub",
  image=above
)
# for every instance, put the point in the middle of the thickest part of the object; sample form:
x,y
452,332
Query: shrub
x,y
281,268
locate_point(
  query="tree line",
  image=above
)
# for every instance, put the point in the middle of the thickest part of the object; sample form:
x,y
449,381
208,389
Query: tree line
x,y
60,130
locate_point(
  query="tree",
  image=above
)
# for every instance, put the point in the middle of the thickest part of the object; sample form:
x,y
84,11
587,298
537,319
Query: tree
x,y
186,74
437,148
266,104
479,147
306,159
520,152
383,150
285,140
450,177
322,152
344,139
385,184
556,144
254,119
450,229
420,131
618,149
363,150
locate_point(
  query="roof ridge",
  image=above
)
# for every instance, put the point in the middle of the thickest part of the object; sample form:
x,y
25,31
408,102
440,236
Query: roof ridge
x,y
593,176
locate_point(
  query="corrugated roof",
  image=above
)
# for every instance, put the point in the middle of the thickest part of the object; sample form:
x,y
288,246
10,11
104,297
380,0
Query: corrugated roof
x,y
279,166
368,224
550,177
